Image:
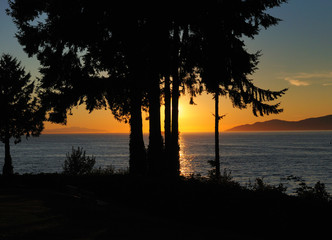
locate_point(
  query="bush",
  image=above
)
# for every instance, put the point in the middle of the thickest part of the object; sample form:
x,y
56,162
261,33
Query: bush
x,y
77,163
261,186
317,192
109,170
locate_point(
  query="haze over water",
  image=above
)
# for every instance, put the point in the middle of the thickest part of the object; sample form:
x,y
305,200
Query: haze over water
x,y
268,155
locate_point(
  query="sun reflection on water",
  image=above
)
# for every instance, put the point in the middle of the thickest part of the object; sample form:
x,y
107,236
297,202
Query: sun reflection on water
x,y
186,166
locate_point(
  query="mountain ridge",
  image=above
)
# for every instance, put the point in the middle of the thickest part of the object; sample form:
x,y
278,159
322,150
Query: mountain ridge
x,y
309,124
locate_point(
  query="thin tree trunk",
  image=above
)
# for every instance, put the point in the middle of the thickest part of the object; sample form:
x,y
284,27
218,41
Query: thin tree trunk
x,y
167,117
137,160
175,157
216,135
155,150
8,165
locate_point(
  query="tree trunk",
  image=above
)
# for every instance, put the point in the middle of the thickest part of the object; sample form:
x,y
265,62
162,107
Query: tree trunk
x,y
155,150
175,157
8,165
137,158
216,135
167,117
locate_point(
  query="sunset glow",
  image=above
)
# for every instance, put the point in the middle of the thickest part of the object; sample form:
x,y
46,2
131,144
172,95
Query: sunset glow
x,y
296,54
121,119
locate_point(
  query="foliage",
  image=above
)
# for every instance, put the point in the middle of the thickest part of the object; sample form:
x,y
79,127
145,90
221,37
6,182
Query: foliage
x,y
225,178
229,75
103,55
212,173
262,186
21,111
108,171
317,192
77,163
204,208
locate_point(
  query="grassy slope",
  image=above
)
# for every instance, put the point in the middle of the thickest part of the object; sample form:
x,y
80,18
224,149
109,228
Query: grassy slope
x,y
122,207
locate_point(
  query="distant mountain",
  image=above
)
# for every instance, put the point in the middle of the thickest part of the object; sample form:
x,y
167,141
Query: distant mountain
x,y
69,130
310,124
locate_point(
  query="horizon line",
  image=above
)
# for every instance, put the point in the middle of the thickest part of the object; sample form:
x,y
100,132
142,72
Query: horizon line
x,y
225,131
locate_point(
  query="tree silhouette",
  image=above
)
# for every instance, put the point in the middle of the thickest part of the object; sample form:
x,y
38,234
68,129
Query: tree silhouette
x,y
22,114
183,64
122,57
90,53
106,54
77,41
227,63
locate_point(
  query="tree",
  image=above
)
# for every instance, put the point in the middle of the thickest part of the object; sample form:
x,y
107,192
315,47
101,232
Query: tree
x,y
106,54
76,41
183,64
22,114
226,63
89,54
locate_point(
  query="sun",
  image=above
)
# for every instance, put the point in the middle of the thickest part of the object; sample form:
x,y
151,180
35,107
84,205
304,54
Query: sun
x,y
181,109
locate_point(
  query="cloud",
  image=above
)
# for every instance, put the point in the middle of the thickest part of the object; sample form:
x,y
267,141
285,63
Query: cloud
x,y
307,79
296,82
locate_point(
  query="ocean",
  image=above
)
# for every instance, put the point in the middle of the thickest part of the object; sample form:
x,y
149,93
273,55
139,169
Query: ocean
x,y
272,156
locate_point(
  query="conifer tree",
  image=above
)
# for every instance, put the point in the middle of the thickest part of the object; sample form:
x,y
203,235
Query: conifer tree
x,y
226,63
88,52
21,112
137,46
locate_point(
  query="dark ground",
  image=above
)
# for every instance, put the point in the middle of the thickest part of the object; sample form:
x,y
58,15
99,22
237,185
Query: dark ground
x,y
121,207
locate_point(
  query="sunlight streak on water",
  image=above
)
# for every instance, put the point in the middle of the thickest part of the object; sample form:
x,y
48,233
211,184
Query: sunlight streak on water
x,y
186,163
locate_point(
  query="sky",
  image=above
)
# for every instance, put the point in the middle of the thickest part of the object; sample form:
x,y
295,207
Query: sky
x,y
296,54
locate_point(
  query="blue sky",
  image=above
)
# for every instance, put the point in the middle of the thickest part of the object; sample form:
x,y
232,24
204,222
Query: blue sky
x,y
9,44
297,54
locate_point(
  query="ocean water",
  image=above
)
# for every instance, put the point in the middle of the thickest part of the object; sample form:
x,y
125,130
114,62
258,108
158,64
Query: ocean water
x,y
268,155
272,156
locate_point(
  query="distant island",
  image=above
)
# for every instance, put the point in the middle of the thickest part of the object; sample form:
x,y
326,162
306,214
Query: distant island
x,y
310,124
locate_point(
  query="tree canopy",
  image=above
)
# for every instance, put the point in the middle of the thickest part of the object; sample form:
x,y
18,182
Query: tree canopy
x,y
115,54
21,110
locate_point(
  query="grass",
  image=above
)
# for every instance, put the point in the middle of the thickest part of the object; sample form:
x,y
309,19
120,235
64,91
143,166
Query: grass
x,y
25,214
119,206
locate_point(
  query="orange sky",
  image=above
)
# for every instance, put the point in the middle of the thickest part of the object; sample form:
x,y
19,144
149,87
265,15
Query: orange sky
x,y
297,54
193,118
199,118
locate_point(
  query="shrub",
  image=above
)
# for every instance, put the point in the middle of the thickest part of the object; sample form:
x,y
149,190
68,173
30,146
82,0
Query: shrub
x,y
261,186
225,178
318,192
109,170
77,163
